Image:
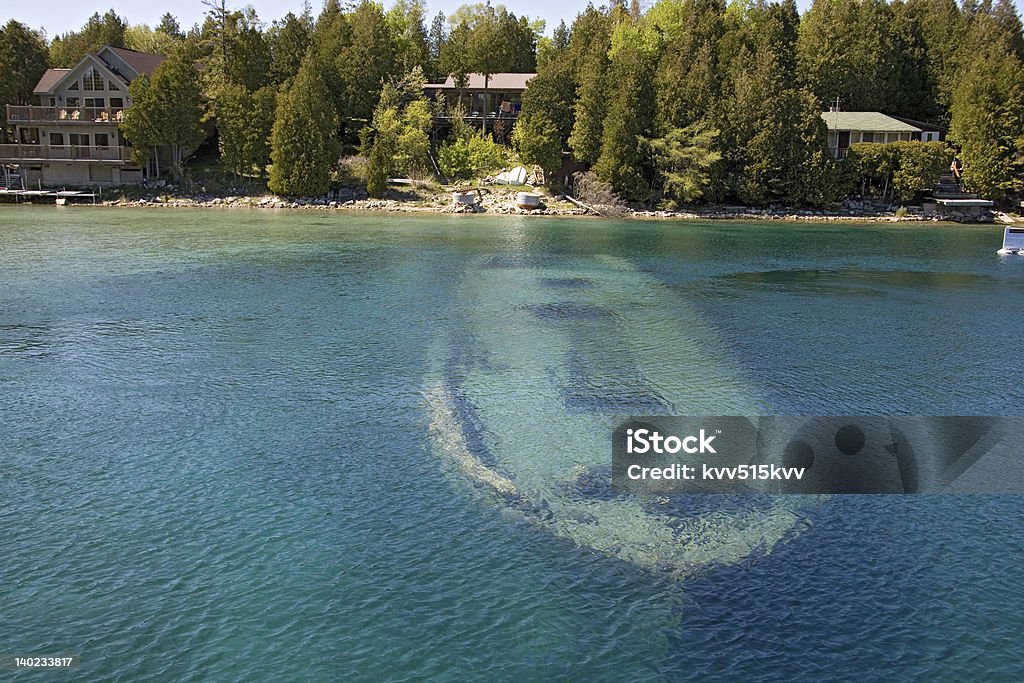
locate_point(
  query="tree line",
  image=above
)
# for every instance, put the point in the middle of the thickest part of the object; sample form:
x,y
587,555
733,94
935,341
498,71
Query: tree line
x,y
686,101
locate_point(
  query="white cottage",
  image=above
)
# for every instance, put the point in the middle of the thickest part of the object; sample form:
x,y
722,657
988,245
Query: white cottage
x,y
846,128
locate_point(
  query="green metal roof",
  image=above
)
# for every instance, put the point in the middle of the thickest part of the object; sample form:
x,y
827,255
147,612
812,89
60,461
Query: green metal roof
x,y
866,121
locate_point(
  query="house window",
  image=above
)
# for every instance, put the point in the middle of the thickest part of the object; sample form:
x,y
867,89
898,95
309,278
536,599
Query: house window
x,y
117,103
53,101
867,137
112,86
78,139
102,140
92,80
72,101
97,102
56,138
73,86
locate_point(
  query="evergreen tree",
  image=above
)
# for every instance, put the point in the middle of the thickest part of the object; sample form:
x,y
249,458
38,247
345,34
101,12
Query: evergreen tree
x,y
941,26
775,144
987,122
455,60
554,48
588,124
436,40
330,37
365,64
539,142
169,26
68,49
304,145
551,93
629,118
22,61
167,109
849,49
288,40
235,50
244,124
687,79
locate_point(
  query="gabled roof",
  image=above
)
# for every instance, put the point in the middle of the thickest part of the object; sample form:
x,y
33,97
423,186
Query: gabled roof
x,y
866,121
91,60
923,125
137,62
50,78
502,81
142,62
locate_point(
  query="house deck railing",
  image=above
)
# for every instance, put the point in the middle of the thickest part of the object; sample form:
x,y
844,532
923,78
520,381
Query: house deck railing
x,y
33,114
63,153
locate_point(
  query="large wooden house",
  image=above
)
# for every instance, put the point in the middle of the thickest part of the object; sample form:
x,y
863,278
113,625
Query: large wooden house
x,y
72,136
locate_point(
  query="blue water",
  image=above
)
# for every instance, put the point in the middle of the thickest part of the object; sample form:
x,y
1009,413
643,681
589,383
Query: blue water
x,y
217,462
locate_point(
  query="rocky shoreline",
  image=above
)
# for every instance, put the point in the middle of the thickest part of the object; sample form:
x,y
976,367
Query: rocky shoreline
x,y
504,203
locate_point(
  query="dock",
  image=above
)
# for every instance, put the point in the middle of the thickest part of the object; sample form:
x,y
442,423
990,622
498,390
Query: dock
x,y
59,197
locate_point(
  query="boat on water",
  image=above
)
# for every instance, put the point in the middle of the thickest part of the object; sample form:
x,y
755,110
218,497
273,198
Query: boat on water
x,y
1013,242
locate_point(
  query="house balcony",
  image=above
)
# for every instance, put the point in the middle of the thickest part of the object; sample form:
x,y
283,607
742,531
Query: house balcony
x,y
478,117
21,114
30,153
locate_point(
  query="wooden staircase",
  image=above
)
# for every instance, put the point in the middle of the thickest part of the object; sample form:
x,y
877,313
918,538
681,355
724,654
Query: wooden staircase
x,y
10,180
949,188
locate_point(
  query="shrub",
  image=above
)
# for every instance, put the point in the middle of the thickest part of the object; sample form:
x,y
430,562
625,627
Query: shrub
x,y
466,158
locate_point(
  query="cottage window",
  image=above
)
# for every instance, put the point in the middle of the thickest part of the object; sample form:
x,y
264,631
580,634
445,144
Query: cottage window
x,y
92,80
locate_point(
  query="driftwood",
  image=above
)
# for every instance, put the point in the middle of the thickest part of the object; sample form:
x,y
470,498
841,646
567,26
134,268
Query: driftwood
x,y
583,206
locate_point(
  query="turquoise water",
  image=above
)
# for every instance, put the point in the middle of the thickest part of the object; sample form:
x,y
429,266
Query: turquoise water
x,y
235,446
